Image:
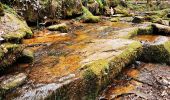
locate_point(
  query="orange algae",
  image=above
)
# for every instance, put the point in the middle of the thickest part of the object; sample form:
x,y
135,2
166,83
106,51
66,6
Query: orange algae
x,y
52,68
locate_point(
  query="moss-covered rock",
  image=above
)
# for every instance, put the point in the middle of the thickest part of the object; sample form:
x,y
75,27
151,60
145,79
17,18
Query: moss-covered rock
x,y
157,53
12,82
9,53
59,27
13,28
88,17
98,74
27,56
140,31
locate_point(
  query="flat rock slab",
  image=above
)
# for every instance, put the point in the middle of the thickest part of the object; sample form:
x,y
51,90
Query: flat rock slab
x,y
104,49
121,52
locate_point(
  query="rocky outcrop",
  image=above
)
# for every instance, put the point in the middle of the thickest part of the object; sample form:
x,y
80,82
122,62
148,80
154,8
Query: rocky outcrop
x,y
34,11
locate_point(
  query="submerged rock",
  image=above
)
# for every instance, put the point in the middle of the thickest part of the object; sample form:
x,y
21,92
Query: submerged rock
x,y
59,27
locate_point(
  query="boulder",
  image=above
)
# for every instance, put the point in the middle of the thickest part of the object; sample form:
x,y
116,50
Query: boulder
x,y
12,27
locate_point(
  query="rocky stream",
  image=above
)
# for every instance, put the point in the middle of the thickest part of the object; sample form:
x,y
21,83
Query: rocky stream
x,y
115,57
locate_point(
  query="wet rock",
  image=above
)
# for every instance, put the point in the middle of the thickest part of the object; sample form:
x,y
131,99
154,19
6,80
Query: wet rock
x,y
158,52
161,29
12,27
138,19
59,27
9,53
27,56
103,60
11,82
88,17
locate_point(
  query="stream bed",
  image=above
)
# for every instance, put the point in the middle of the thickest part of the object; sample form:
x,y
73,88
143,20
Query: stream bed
x,y
60,56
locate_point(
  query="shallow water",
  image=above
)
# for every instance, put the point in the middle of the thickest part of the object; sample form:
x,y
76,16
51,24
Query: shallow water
x,y
146,38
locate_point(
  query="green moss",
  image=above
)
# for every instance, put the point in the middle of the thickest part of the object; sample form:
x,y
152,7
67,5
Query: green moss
x,y
13,37
122,10
140,31
100,4
88,17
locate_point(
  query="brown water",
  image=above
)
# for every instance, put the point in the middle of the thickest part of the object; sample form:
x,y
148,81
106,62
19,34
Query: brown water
x,y
146,38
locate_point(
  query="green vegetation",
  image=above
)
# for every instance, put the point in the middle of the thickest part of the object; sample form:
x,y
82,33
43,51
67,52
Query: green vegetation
x,y
88,17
